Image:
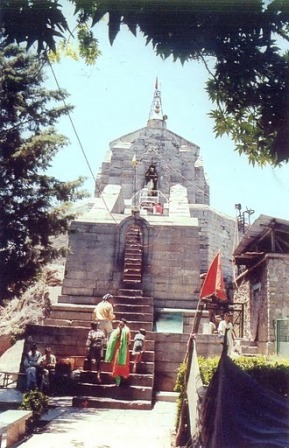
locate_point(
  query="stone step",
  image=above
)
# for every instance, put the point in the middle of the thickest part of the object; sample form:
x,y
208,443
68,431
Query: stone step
x,y
125,296
69,335
131,269
146,367
67,323
76,337
137,308
53,325
71,317
132,265
78,300
249,350
171,397
131,281
133,300
132,259
133,250
131,276
246,342
130,292
109,403
134,325
74,317
134,379
123,392
134,316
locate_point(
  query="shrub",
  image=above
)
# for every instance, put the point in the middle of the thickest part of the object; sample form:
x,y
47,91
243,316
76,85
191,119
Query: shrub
x,y
272,373
35,401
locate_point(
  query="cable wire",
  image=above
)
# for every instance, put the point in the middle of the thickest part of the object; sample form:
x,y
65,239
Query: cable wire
x,y
79,142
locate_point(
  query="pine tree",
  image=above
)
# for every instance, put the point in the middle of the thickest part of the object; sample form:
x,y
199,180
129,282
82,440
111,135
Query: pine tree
x,y
34,206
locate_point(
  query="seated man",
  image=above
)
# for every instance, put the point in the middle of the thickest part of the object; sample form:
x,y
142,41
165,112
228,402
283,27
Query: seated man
x,y
47,365
31,366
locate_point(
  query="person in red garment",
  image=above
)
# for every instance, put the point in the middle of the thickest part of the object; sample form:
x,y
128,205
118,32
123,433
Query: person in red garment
x,y
118,351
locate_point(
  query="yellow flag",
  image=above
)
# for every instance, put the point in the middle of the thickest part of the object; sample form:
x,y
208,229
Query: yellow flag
x,y
134,161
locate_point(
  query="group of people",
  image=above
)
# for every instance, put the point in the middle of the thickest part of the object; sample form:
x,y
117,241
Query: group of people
x,y
117,342
39,369
224,326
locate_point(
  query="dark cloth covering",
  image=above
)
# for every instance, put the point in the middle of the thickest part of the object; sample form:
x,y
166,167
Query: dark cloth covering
x,y
238,412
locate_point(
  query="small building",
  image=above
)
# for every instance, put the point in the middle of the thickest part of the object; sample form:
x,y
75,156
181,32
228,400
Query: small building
x,y
262,258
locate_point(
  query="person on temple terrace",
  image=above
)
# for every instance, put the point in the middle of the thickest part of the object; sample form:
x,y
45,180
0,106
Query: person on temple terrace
x,y
226,324
118,352
103,314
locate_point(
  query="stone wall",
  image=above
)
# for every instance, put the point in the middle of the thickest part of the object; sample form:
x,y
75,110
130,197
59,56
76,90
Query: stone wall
x,y
216,233
264,293
242,296
170,350
278,291
171,274
170,261
175,159
90,266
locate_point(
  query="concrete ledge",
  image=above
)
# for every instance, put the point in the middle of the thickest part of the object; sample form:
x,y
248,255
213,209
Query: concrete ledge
x,y
166,396
13,426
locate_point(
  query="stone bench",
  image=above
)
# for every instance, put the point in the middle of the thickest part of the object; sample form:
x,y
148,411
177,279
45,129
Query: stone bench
x,y
12,426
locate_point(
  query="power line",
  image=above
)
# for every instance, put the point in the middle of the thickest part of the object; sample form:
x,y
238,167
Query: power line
x,y
72,124
79,141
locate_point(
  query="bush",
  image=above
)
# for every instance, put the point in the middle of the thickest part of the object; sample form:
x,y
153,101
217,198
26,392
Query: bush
x,y
35,401
272,373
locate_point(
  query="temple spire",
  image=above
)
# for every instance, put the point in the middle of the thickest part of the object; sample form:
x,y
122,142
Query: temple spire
x,y
156,117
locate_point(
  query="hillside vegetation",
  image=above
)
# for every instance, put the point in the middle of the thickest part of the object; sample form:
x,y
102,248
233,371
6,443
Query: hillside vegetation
x,y
32,307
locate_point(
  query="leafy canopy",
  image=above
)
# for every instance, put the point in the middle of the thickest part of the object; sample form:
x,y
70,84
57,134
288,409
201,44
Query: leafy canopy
x,y
249,81
34,206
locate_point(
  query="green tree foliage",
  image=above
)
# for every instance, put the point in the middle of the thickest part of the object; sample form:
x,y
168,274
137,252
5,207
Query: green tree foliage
x,y
34,206
248,81
35,401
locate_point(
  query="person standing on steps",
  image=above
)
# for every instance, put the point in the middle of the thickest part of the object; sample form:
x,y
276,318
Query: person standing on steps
x,y
103,315
94,345
138,348
118,351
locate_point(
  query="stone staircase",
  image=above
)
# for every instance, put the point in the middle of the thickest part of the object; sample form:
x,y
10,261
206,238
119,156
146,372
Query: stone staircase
x,y
246,347
65,331
132,273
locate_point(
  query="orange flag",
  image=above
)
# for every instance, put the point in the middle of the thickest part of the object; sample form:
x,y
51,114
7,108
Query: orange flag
x,y
214,284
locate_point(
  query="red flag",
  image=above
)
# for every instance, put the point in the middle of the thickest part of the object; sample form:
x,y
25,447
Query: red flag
x,y
214,284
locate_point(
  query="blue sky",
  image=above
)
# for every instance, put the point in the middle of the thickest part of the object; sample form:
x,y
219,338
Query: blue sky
x,y
113,98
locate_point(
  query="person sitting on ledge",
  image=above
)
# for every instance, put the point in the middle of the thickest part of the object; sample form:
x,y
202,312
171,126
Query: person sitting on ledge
x,y
47,366
31,366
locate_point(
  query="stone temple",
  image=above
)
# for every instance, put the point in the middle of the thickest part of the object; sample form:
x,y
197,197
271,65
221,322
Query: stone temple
x,y
147,238
152,181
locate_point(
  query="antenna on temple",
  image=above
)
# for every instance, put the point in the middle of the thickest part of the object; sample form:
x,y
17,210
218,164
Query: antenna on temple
x,y
156,116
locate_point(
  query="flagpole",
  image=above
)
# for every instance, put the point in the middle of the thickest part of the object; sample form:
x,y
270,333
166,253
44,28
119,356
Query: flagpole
x,y
183,419
212,286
